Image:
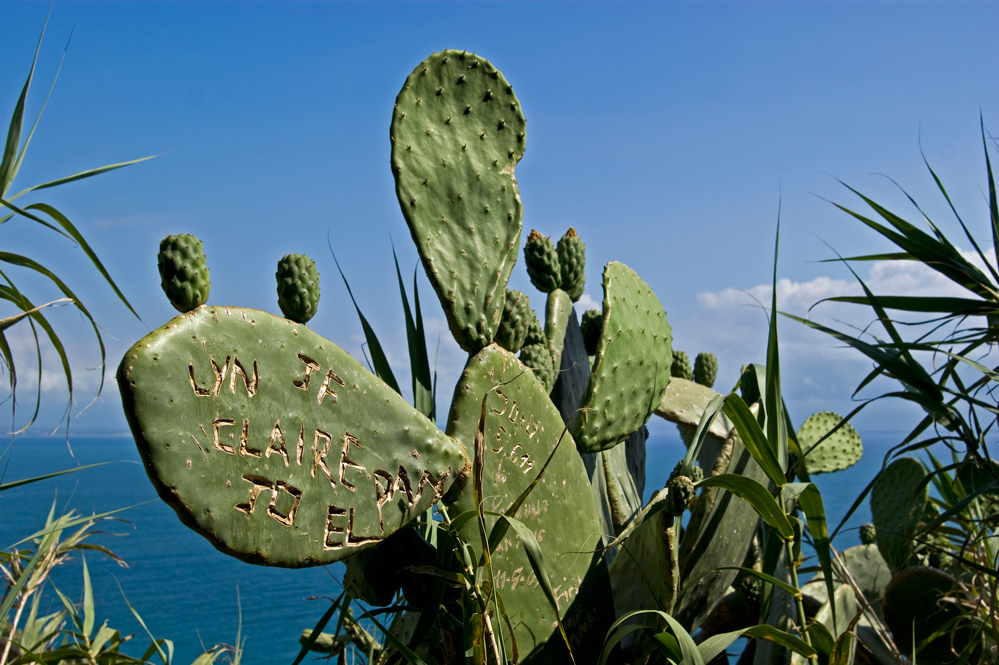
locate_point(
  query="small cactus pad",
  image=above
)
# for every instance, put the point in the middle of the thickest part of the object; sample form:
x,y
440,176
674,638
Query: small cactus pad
x,y
706,369
274,444
516,319
681,369
521,428
590,326
898,500
640,573
920,602
297,287
457,133
868,533
537,358
631,369
542,262
840,451
572,264
184,271
558,311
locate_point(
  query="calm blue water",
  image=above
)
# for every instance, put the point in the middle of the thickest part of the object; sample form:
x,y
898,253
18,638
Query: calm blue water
x,y
188,592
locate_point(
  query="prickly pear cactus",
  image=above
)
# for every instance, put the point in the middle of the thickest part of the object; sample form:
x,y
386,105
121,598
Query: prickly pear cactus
x,y
184,271
522,427
840,451
706,369
572,264
868,534
681,369
591,325
558,311
535,333
513,326
631,369
297,287
274,444
898,500
537,358
541,258
457,134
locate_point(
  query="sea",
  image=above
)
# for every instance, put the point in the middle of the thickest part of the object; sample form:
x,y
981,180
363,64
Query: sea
x,y
186,591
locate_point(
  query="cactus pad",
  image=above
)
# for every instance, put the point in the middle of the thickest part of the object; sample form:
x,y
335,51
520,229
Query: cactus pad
x,y
274,444
541,258
631,369
457,134
513,326
840,451
898,500
184,271
590,326
706,369
558,311
522,427
297,287
572,264
681,369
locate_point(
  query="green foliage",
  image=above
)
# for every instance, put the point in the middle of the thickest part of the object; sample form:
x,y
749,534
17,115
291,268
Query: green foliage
x,y
828,443
184,273
13,291
297,287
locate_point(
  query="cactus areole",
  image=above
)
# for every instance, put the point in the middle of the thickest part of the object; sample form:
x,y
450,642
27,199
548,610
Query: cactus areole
x,y
273,443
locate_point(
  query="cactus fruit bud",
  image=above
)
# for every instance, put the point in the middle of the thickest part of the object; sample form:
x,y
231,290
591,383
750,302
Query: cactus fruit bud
x,y
868,534
679,493
535,333
513,326
749,587
681,366
706,369
184,271
542,262
591,327
537,357
297,287
572,264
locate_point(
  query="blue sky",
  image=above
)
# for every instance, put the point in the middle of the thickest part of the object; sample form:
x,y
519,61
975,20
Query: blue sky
x,y
668,134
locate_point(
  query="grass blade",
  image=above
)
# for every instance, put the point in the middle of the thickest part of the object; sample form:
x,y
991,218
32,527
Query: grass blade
x,y
753,438
89,173
758,497
27,481
776,428
16,124
317,630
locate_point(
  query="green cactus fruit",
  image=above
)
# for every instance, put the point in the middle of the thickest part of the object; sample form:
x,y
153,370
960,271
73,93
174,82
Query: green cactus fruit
x,y
868,534
631,369
680,492
184,271
274,444
521,429
513,327
457,134
706,369
920,602
297,287
572,264
898,500
558,311
535,333
749,587
542,262
839,451
539,360
591,327
680,369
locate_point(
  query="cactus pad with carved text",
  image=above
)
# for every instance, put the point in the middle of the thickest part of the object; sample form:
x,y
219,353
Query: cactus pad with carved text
x,y
457,134
273,443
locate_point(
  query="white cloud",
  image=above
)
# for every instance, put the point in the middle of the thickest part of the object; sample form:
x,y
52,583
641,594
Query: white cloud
x,y
586,301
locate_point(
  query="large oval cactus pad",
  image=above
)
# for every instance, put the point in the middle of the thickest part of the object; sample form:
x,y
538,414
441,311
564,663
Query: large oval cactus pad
x,y
457,133
522,426
275,444
631,370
